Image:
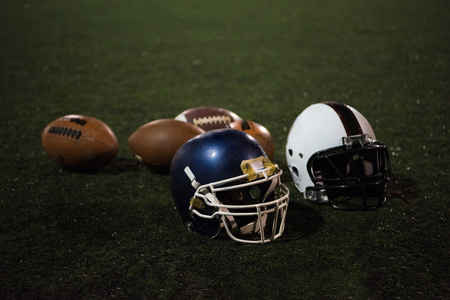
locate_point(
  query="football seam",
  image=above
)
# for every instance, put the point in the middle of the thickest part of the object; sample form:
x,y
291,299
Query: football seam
x,y
59,130
211,120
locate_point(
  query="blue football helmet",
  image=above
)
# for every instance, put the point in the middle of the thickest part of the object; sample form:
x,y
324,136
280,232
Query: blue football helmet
x,y
223,182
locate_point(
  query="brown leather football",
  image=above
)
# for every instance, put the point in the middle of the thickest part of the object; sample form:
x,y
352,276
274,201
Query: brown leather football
x,y
79,143
156,143
208,117
259,132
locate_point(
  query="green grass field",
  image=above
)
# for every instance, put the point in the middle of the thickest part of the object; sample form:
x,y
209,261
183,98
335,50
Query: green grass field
x,y
115,233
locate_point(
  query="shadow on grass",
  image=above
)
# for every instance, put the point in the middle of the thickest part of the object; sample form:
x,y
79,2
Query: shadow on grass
x,y
302,221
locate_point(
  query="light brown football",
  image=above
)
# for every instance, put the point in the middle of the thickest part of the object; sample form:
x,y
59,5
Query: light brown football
x,y
208,117
79,143
259,132
156,142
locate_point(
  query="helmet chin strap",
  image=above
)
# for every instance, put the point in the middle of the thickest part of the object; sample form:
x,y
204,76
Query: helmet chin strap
x,y
252,227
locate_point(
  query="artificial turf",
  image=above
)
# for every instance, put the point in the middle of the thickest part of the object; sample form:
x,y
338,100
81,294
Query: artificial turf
x,y
115,233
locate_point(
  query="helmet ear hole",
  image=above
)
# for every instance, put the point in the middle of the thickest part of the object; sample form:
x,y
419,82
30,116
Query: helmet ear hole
x,y
255,192
295,171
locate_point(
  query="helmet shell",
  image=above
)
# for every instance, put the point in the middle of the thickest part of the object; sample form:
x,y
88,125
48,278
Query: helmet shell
x,y
319,127
212,156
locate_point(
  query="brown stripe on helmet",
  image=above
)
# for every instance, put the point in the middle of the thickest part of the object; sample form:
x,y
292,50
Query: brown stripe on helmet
x,y
347,117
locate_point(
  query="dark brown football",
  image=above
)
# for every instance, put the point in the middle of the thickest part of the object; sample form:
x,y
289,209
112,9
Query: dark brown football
x,y
79,143
259,132
156,143
208,117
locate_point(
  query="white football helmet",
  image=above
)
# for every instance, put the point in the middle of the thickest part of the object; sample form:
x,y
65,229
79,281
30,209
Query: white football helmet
x,y
333,157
